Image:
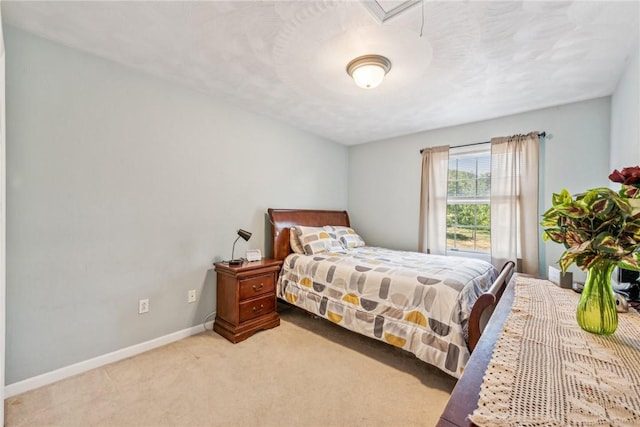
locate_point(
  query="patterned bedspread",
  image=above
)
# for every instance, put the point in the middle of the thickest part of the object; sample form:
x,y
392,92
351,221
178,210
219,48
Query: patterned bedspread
x,y
417,302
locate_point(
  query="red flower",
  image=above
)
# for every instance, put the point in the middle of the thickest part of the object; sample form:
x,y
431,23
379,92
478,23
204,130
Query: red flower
x,y
627,176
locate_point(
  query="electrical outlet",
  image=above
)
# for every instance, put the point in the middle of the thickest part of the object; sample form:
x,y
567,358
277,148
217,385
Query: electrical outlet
x,y
143,306
191,296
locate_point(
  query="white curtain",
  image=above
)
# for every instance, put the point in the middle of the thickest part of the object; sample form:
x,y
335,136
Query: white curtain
x,y
3,210
433,200
514,201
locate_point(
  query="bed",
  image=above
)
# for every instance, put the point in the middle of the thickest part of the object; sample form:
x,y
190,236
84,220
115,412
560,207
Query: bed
x,y
432,306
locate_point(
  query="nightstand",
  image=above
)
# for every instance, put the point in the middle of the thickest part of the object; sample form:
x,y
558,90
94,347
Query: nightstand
x,y
246,298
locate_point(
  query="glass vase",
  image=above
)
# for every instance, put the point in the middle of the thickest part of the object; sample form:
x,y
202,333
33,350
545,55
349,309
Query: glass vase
x,y
596,312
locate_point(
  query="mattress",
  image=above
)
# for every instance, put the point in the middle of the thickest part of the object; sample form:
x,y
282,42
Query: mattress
x,y
418,302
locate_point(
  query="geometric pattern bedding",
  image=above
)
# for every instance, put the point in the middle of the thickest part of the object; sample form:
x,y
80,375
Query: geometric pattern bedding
x,y
418,302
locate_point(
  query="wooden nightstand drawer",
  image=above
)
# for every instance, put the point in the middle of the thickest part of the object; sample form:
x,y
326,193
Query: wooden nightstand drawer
x,y
255,286
257,307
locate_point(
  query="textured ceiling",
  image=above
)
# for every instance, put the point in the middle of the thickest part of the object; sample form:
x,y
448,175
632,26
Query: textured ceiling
x,y
474,61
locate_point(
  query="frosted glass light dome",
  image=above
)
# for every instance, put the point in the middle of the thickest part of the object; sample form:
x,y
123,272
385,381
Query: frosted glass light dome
x,y
368,76
368,71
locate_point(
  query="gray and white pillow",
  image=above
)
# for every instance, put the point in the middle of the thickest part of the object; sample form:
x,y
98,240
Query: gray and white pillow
x,y
347,236
316,240
294,241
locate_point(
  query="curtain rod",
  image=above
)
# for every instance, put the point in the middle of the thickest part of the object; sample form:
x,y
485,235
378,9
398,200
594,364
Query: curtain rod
x,y
540,135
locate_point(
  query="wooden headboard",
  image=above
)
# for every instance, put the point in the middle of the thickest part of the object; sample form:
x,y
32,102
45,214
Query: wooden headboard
x,y
283,219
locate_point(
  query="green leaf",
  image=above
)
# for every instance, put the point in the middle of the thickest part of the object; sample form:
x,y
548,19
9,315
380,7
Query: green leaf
x,y
628,242
566,260
561,198
593,260
602,207
606,243
586,260
622,204
633,229
548,222
573,210
554,234
589,197
630,262
575,238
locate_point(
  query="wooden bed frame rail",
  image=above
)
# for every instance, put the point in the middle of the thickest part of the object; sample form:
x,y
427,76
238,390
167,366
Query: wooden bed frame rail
x,y
486,303
283,219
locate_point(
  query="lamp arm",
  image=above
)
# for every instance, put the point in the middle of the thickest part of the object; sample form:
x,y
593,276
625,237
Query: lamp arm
x,y
234,247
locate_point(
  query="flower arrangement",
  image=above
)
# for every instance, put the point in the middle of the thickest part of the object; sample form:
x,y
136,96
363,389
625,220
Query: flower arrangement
x,y
600,229
599,225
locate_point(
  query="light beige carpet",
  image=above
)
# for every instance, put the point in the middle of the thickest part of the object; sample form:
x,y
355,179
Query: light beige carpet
x,y
306,372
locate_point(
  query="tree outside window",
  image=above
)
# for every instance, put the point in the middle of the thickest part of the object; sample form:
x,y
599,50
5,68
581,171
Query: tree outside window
x,y
468,208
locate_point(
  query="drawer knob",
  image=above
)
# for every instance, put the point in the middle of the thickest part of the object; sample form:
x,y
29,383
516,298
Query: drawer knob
x,y
258,288
258,310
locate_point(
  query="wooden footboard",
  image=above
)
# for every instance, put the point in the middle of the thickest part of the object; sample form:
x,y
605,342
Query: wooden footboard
x,y
483,308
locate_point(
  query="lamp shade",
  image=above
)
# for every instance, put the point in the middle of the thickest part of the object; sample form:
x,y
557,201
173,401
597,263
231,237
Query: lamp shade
x,y
246,235
368,71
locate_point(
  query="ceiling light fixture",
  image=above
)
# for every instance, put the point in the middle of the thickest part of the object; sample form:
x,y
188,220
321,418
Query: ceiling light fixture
x,y
368,70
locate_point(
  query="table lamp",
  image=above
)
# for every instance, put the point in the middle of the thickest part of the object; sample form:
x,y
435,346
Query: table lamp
x,y
246,235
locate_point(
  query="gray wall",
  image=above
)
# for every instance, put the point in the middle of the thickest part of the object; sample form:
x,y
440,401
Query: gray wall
x,y
384,176
121,186
625,118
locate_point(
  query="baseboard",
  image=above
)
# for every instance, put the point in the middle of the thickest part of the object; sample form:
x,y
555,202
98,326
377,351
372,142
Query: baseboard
x,y
80,367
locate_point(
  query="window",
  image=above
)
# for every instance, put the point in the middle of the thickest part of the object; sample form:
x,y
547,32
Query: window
x,y
468,207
